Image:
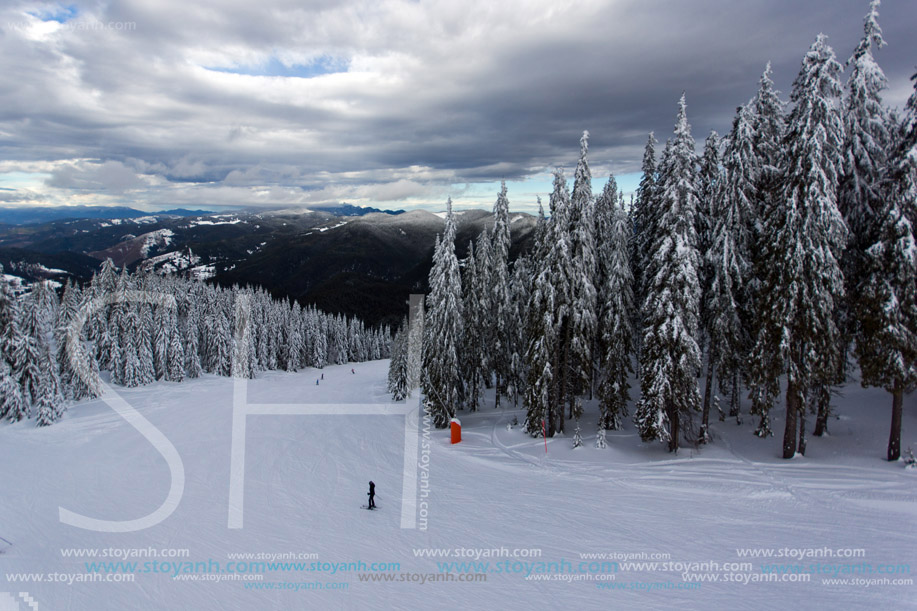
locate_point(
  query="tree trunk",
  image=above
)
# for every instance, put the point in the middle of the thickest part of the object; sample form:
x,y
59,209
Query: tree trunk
x,y
734,404
801,446
792,408
674,428
708,390
564,377
894,437
823,403
554,395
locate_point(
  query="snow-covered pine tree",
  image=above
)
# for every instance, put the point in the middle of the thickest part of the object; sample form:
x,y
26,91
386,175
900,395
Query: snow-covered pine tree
x,y
160,340
191,339
443,329
862,192
708,183
540,352
728,265
472,347
577,436
768,127
671,358
77,367
27,354
145,355
644,216
803,238
601,441
294,345
101,325
886,296
50,403
129,346
560,274
583,318
499,296
616,297
319,343
521,293
12,405
398,366
175,350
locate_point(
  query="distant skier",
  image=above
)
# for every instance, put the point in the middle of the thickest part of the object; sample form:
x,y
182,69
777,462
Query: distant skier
x,y
323,376
316,381
372,496
352,371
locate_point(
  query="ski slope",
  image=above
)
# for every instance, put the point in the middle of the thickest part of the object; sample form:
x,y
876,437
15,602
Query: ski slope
x,y
306,477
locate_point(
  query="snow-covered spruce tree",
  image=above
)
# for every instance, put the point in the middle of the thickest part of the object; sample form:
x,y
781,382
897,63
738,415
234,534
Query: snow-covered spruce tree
x,y
443,329
129,347
160,340
862,192
709,177
886,295
540,351
191,339
147,372
78,368
768,127
670,359
803,238
644,215
499,295
486,329
294,343
398,366
583,319
175,351
11,404
243,330
28,354
521,291
559,274
613,233
472,348
50,403
100,325
728,265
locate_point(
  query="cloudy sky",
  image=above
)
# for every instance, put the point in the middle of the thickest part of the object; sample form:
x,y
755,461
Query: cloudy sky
x,y
389,103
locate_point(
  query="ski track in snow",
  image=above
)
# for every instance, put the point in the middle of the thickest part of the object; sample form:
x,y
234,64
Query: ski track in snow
x,y
306,478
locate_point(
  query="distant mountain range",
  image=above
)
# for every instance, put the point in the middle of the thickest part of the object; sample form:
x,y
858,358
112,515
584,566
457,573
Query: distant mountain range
x,y
343,258
28,215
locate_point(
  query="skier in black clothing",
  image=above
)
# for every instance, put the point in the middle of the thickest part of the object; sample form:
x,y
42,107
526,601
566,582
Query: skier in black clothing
x,y
372,495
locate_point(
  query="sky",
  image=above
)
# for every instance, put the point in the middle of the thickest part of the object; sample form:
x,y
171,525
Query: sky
x,y
388,103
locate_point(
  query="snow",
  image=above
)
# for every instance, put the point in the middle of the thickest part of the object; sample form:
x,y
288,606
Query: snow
x,y
231,221
306,477
203,272
160,238
341,224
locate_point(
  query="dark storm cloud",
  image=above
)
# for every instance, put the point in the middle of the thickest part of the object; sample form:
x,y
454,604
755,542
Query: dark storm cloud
x,y
119,101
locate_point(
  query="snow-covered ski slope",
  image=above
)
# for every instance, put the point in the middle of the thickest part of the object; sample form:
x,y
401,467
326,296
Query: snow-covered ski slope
x,y
494,495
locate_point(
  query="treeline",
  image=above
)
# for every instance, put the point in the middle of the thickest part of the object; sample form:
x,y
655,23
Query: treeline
x,y
143,327
783,252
